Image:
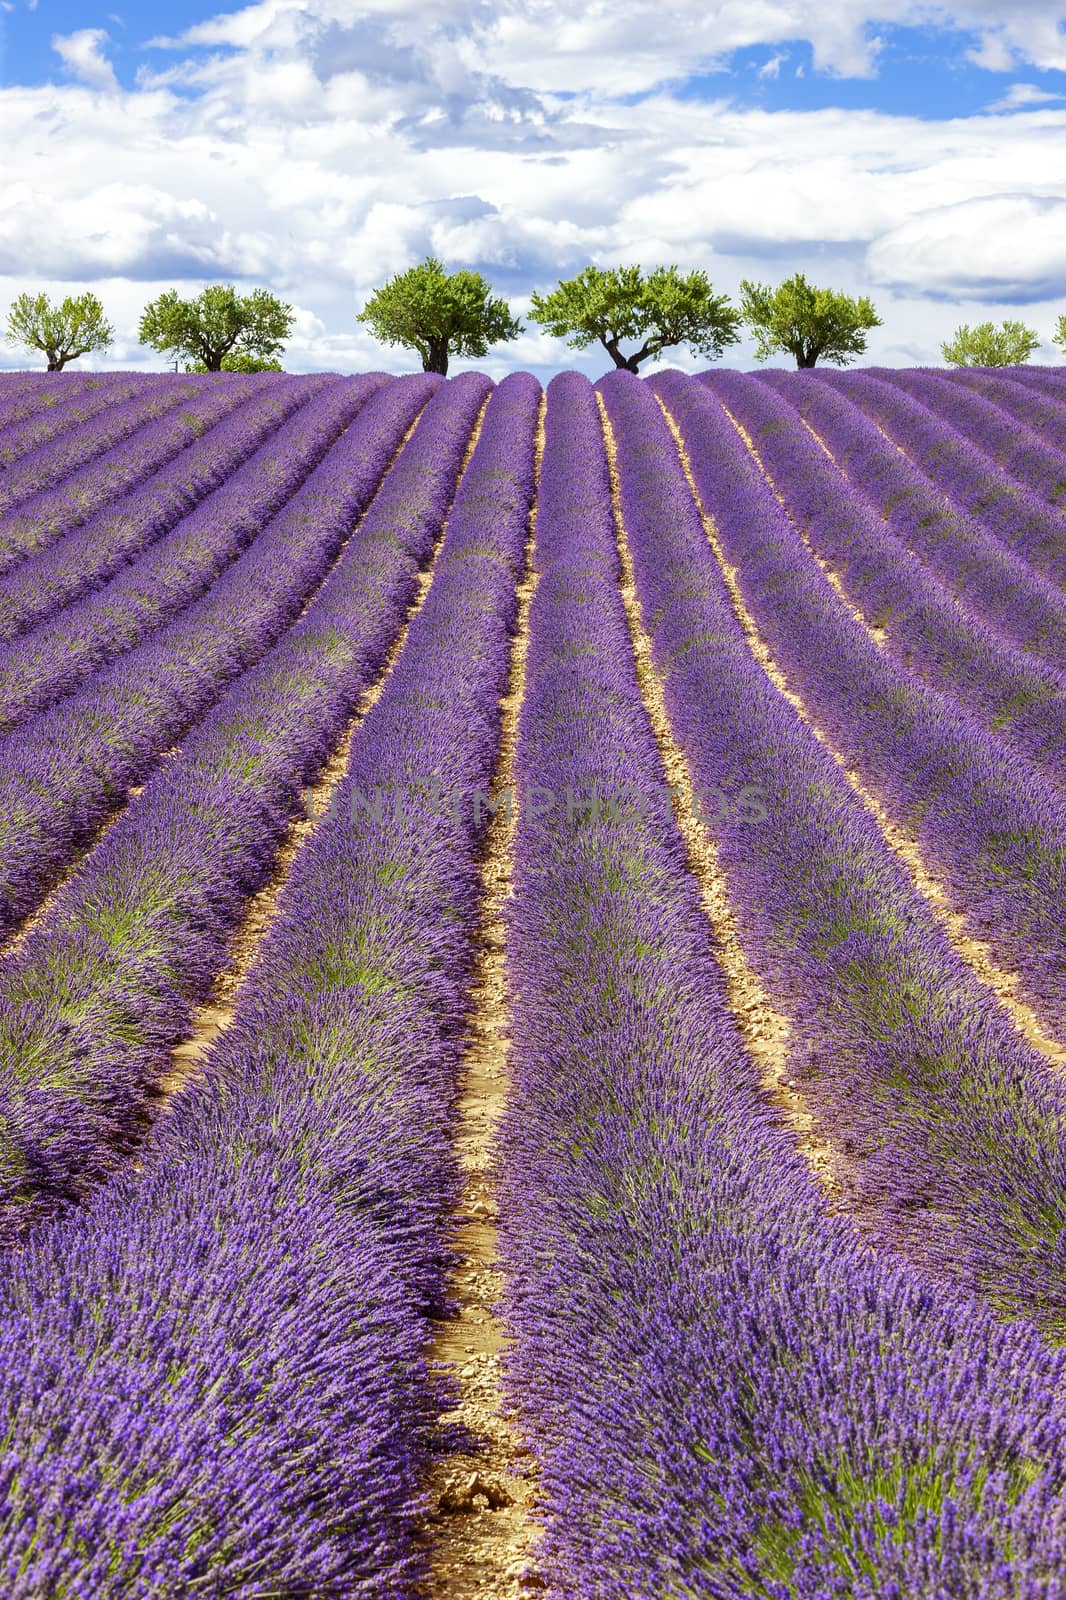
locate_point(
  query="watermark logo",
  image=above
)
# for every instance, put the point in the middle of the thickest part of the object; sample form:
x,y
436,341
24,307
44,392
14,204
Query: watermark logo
x,y
568,807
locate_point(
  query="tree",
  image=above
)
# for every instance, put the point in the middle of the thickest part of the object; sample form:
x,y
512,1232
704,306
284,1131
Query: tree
x,y
987,345
665,308
808,323
1059,336
439,314
218,323
76,327
240,363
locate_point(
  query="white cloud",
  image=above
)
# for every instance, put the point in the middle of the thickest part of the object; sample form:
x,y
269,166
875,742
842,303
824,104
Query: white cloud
x,y
627,46
1026,32
1024,97
772,67
994,52
286,144
1000,246
132,228
82,53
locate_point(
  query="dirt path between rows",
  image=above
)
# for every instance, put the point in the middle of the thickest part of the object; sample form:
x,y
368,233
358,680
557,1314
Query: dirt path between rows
x,y
876,634
763,1028
215,1015
156,763
976,953
483,1497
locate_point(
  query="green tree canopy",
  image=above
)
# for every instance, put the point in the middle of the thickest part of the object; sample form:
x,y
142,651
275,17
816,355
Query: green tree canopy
x,y
990,344
240,363
218,323
810,324
665,308
439,314
1059,336
75,327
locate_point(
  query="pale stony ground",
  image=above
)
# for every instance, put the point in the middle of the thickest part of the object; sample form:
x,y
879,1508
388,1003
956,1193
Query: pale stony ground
x,y
483,1500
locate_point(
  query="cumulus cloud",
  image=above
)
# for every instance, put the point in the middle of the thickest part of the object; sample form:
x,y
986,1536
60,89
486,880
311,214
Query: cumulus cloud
x,y
299,144
1025,96
1024,32
130,228
82,54
630,46
1003,246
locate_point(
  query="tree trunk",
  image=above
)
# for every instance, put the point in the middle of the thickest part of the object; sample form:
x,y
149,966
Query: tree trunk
x,y
436,359
623,363
213,362
56,363
804,361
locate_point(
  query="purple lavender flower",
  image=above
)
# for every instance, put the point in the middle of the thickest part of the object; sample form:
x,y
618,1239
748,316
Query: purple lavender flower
x,y
61,773
962,472
37,410
42,497
87,556
250,1411
925,630
175,569
727,1394
997,585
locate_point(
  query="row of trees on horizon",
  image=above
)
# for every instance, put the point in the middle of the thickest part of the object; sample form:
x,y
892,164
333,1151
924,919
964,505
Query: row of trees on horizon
x,y
440,315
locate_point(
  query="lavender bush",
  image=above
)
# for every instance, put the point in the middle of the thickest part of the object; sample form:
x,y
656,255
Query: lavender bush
x,y
87,556
924,630
63,772
998,586
105,984
988,825
39,412
1039,467
253,1415
726,1394
964,474
1038,410
128,447
60,654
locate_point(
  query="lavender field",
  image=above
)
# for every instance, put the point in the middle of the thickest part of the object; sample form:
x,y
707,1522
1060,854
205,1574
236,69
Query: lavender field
x,y
533,986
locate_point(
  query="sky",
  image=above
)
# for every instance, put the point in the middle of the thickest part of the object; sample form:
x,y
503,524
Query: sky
x,y
909,150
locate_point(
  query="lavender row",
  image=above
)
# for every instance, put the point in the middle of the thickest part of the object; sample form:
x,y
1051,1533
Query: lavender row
x,y
88,555
45,414
963,473
727,1396
64,771
59,655
23,393
1025,610
1044,413
46,465
1024,432
276,1265
948,1126
26,395
1027,460
1050,381
104,986
924,631
986,821
119,465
